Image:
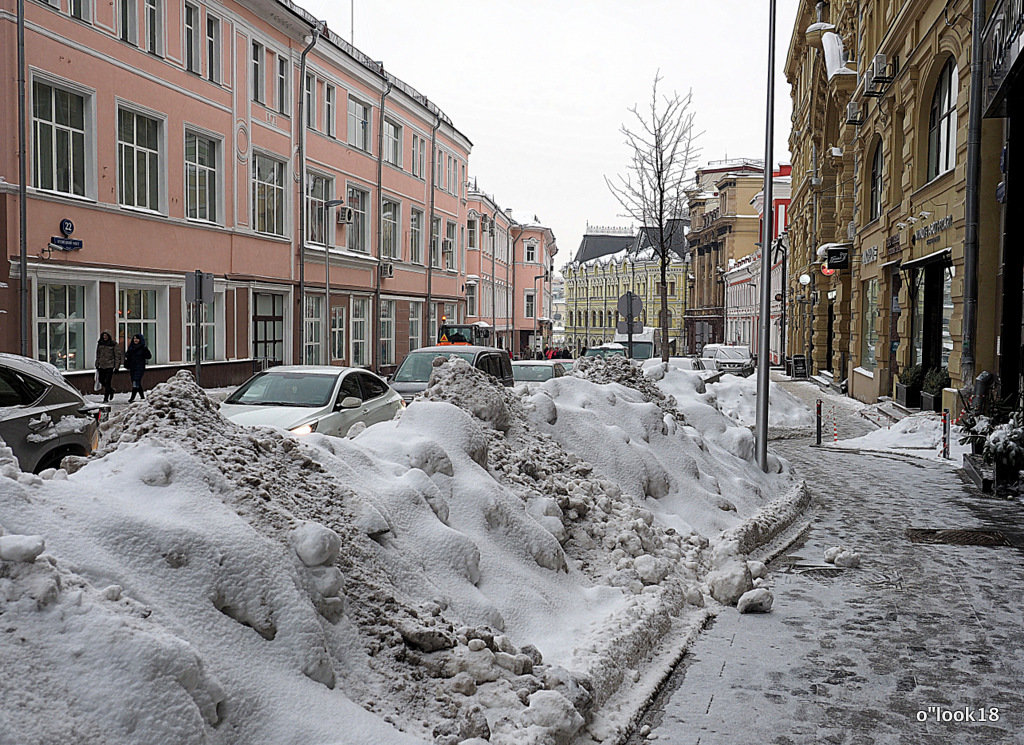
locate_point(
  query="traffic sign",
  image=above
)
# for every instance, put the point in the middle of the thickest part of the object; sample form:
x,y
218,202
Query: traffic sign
x,y
623,327
630,305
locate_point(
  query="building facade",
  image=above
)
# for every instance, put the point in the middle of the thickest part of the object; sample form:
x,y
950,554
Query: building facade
x,y
880,138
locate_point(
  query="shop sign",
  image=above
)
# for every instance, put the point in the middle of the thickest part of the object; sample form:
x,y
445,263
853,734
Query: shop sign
x,y
869,255
892,245
931,232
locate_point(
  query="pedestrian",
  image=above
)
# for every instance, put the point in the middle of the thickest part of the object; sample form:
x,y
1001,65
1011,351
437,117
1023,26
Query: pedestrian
x,y
135,360
109,357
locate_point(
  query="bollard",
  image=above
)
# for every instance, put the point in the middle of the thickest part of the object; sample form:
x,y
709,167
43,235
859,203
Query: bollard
x,y
835,426
945,434
817,438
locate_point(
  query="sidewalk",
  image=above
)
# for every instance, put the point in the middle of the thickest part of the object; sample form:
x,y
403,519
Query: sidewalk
x,y
883,653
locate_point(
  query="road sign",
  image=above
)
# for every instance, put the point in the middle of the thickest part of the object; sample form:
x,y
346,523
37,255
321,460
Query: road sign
x,y
198,287
65,244
630,305
623,327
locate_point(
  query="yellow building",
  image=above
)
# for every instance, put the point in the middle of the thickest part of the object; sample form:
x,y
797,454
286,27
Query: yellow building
x,y
879,144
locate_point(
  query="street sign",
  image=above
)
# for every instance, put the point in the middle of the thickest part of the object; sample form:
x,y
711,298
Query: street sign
x,y
623,327
630,305
198,287
65,244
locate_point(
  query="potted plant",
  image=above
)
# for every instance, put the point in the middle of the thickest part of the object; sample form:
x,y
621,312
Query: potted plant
x,y
934,381
908,387
1004,448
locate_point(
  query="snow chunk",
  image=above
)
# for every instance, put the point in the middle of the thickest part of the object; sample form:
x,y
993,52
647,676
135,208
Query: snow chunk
x,y
552,711
315,544
21,547
728,583
755,601
651,570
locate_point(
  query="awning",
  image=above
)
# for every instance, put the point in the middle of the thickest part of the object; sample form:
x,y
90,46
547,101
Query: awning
x,y
889,263
944,255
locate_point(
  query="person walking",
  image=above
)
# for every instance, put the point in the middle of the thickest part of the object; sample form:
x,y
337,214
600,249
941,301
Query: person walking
x,y
135,360
109,357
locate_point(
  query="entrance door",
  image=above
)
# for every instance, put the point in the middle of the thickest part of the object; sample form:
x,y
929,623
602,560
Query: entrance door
x,y
268,328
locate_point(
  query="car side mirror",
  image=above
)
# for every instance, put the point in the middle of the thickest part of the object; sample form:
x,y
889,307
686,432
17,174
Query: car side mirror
x,y
350,402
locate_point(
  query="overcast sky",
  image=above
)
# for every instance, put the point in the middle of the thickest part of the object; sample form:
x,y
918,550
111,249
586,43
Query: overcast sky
x,y
542,87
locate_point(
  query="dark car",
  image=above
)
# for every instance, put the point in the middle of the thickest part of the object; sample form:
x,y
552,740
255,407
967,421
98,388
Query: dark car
x,y
42,418
412,375
537,371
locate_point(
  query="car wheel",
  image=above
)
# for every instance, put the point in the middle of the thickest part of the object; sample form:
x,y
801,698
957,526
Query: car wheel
x,y
54,457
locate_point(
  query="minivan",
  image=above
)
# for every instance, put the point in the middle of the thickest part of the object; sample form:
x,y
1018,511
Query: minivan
x,y
412,375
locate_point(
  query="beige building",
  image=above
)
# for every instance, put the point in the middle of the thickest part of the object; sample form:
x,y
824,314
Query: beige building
x,y
879,143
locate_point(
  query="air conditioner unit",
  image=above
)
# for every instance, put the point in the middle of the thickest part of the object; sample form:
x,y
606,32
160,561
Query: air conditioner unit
x,y
853,114
447,246
346,215
870,89
387,270
880,71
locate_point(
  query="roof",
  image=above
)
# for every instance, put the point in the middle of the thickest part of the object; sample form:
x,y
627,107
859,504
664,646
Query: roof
x,y
595,246
647,237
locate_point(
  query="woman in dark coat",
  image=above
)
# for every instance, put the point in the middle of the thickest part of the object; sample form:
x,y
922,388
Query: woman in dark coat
x,y
109,356
135,360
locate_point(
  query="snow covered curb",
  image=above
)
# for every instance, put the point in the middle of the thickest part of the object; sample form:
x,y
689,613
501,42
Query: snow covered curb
x,y
769,521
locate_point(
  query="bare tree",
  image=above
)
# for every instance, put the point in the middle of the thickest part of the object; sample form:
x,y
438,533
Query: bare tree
x,y
652,191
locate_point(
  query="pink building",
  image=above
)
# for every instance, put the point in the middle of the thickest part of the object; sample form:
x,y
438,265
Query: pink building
x,y
163,137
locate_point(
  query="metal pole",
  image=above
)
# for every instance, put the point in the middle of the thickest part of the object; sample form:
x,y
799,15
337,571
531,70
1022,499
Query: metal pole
x,y
971,201
817,423
375,332
197,306
22,179
301,123
766,259
430,232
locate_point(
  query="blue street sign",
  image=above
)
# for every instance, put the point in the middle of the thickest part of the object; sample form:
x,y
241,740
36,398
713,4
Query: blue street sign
x,y
67,227
65,244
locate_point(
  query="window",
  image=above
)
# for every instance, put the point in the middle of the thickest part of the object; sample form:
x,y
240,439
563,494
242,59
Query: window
x,y
530,306
283,102
60,325
416,236
389,229
435,241
207,331
310,101
875,207
337,349
200,177
531,253
359,313
79,9
472,224
312,317
387,332
329,109
415,324
129,21
212,49
452,170
317,216
191,42
942,122
471,303
419,155
392,143
268,195
257,72
356,238
869,324
136,314
154,27
448,247
58,142
138,146
439,169
358,125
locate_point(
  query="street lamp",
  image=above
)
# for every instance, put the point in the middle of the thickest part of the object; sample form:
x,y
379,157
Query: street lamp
x,y
327,279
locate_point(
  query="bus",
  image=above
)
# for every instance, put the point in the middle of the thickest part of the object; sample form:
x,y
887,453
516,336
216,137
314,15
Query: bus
x,y
478,333
643,343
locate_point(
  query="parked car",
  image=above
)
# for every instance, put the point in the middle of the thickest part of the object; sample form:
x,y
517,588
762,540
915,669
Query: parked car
x,y
537,371
42,418
412,375
727,358
312,398
687,363
612,349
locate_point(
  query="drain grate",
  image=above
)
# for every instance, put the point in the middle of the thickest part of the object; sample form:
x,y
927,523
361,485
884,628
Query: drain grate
x,y
957,537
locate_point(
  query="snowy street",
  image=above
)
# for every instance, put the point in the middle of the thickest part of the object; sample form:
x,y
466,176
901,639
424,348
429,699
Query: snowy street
x,y
880,653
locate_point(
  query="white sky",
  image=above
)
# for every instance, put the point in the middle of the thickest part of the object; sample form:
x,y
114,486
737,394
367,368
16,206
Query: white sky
x,y
542,87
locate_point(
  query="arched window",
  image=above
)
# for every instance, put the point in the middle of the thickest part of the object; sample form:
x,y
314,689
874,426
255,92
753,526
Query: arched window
x,y
942,122
875,207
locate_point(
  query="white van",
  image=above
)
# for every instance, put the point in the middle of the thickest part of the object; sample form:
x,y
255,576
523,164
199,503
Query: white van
x,y
643,343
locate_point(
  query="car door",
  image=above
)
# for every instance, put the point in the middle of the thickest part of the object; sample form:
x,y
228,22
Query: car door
x,y
377,404
21,423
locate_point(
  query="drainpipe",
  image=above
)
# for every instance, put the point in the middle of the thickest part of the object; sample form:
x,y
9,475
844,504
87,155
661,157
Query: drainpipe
x,y
301,237
512,310
22,177
494,278
388,85
430,229
971,207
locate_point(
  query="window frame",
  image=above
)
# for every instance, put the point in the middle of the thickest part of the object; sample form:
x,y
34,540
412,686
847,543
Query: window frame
x,y
415,324
362,125
359,322
877,180
145,322
282,77
189,38
86,140
417,217
257,63
51,320
320,216
154,161
391,244
392,139
213,48
330,99
942,121
128,22
357,233
154,11
387,332
309,92
212,172
279,190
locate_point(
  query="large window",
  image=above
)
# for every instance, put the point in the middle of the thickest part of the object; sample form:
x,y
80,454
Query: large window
x,y
392,143
435,242
338,331
268,195
212,49
58,142
155,27
415,324
358,200
387,332
419,156
471,302
313,315
416,236
448,247
200,177
875,208
191,41
358,124
389,246
258,54
942,122
359,315
869,324
130,21
317,218
136,314
472,224
138,146
60,325
207,331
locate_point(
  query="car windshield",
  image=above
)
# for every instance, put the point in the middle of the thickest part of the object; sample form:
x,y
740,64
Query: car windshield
x,y
417,366
643,350
734,353
285,389
531,373
604,352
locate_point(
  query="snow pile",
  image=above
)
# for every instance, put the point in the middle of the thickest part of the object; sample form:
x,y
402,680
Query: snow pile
x,y
736,397
842,557
917,434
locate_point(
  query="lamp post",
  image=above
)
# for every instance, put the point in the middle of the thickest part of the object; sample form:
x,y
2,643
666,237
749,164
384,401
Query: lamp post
x,y
536,295
327,280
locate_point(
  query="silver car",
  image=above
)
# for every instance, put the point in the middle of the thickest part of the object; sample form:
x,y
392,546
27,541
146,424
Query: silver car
x,y
42,418
312,398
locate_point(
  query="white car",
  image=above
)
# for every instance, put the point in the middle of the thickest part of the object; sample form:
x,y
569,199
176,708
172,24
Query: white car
x,y
727,358
310,398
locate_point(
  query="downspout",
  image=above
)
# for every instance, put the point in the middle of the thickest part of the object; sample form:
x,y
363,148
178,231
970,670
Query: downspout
x,y
430,229
494,278
512,311
971,207
380,207
301,235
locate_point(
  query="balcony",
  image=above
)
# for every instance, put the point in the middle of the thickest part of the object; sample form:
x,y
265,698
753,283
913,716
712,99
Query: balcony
x,y
1001,42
